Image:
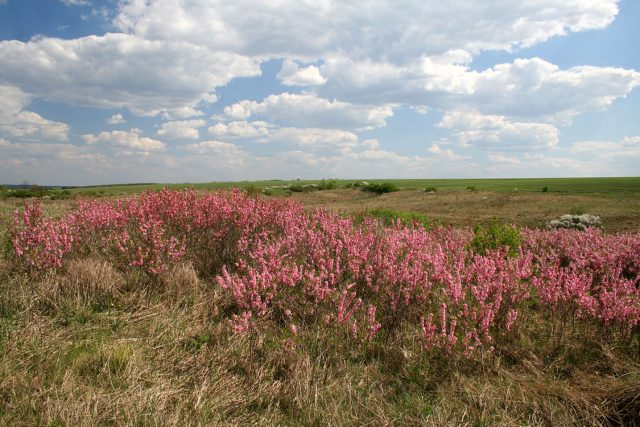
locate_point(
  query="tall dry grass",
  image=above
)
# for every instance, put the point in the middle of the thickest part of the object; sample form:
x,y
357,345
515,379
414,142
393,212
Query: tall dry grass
x,y
94,346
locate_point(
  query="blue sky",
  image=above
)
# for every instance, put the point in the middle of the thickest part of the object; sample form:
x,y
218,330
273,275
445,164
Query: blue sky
x,y
204,90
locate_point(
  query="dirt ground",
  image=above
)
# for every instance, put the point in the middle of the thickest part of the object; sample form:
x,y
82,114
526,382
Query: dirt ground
x,y
618,212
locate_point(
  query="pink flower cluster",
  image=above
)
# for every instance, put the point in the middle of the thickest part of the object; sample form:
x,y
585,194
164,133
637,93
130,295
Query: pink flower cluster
x,y
283,265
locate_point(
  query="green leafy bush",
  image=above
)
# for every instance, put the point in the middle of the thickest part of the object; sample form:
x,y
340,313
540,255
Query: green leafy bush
x,y
385,187
431,189
495,236
252,190
328,184
545,189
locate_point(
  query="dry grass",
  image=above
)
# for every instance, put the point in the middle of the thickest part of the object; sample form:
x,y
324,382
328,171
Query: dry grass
x,y
460,208
94,346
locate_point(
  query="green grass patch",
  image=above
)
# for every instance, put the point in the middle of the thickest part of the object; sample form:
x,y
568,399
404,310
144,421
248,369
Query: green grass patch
x,y
596,185
495,236
390,217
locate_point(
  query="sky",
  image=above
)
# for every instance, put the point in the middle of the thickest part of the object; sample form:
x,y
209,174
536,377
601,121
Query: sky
x,y
119,91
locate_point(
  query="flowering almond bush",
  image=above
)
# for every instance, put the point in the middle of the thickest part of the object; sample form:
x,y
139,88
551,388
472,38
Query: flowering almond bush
x,y
284,266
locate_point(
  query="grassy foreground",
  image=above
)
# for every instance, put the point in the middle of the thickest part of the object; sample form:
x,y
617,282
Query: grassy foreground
x,y
96,344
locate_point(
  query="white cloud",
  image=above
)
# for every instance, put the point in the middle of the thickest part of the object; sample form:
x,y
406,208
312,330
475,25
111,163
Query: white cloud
x,y
242,129
224,154
313,30
309,110
26,125
125,139
526,88
315,138
122,70
501,158
292,75
497,132
184,129
187,112
116,119
446,153
372,144
627,148
212,147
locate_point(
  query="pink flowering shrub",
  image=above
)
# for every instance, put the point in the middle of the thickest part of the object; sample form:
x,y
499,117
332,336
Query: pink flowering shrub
x,y
290,268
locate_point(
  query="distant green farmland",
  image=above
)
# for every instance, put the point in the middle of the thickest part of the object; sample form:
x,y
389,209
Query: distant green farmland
x,y
622,185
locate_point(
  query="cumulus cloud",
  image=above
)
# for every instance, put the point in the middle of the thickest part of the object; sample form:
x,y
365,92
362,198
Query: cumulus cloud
x,y
525,88
181,129
121,70
628,147
217,147
497,132
26,125
446,153
502,158
116,119
131,140
294,29
242,129
308,110
315,138
187,112
227,156
292,75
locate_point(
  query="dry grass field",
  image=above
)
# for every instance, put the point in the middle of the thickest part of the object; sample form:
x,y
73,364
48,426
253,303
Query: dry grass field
x,y
619,212
91,344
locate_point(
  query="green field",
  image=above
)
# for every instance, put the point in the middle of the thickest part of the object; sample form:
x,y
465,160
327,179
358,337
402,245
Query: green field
x,y
617,185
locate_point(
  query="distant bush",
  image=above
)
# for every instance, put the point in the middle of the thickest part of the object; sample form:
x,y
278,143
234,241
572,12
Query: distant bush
x,y
25,193
472,188
357,184
390,217
385,187
92,193
252,190
575,222
545,189
328,184
60,194
496,236
431,189
299,188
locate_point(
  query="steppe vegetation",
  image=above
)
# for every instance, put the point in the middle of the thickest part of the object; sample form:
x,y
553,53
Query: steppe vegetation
x,y
233,308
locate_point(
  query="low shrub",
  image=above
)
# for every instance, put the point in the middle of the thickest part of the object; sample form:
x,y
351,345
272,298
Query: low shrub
x,y
327,184
385,187
575,222
431,189
496,236
472,188
252,190
545,189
